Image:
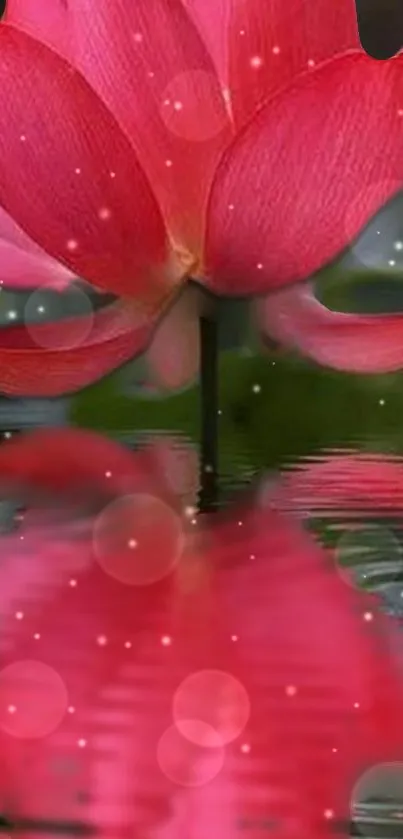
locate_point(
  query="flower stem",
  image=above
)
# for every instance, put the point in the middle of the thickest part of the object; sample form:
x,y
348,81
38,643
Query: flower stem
x,y
209,413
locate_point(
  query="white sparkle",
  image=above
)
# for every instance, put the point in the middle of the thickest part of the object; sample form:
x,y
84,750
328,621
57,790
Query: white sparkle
x,y
132,543
108,474
37,636
23,138
368,616
400,112
291,690
168,163
252,556
128,645
230,207
398,246
72,244
276,50
11,709
328,814
311,63
102,641
12,314
178,106
71,709
245,748
82,743
234,637
166,640
73,583
7,435
392,263
382,402
138,37
19,616
256,62
78,171
112,174
256,388
189,512
104,213
356,704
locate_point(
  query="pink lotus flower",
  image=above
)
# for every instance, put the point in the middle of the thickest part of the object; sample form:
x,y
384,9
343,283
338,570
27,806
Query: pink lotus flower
x,y
145,143
191,706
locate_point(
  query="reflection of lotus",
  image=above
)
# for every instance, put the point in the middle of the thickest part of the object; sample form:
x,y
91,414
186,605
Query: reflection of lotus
x,y
296,624
180,154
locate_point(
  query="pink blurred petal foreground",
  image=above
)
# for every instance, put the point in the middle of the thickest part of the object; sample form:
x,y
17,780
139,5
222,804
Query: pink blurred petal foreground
x,y
200,703
356,343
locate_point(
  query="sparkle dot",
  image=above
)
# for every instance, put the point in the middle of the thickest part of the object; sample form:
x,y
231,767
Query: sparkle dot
x,y
400,112
252,556
260,266
276,50
41,310
178,106
194,521
108,474
11,709
138,37
398,246
291,690
234,637
104,213
168,163
392,262
72,245
328,814
382,402
368,616
37,636
102,641
242,32
245,748
256,62
256,388
230,207
132,543
19,616
240,523
78,171
128,645
7,435
334,751
356,704
166,640
71,709
12,314
112,174
189,512
311,63
73,583
82,743
23,138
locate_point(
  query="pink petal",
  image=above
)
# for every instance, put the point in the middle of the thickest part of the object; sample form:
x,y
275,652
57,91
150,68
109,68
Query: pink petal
x,y
261,45
173,357
306,175
356,343
271,42
96,214
65,356
149,64
22,269
49,23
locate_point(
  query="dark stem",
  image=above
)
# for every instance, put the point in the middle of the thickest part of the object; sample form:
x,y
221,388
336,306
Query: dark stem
x,y
209,413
